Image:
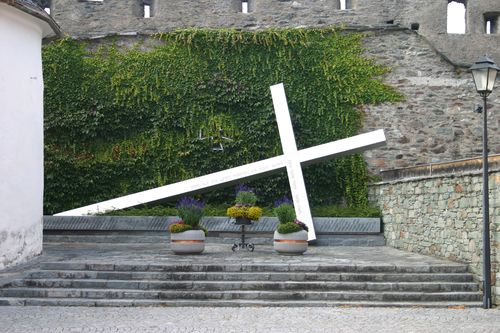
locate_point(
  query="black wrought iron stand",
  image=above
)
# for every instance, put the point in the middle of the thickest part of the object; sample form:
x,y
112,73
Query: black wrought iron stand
x,y
243,245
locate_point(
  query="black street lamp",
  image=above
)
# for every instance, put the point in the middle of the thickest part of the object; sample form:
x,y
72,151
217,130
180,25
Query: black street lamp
x,y
484,73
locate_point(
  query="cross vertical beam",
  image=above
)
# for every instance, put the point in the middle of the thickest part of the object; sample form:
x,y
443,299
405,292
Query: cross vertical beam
x,y
292,161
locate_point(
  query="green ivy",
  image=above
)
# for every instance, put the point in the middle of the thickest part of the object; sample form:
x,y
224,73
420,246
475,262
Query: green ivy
x,y
120,121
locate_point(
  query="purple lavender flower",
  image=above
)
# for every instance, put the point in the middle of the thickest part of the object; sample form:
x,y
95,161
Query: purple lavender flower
x,y
190,211
188,202
243,188
281,201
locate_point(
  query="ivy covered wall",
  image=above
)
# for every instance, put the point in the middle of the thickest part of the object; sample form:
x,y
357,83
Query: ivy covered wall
x,y
121,121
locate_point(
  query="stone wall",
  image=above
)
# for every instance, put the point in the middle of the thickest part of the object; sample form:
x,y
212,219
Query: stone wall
x,y
435,122
437,210
91,18
431,17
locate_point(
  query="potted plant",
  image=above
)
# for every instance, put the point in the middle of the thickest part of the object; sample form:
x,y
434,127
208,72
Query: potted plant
x,y
186,235
290,236
244,210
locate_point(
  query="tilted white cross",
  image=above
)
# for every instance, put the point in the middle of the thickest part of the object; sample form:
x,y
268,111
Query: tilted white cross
x,y
292,159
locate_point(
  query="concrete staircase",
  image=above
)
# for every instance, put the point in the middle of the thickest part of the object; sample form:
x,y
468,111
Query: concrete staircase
x,y
247,284
108,261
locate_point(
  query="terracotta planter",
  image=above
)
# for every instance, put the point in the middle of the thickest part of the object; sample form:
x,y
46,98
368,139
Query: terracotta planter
x,y
294,243
188,242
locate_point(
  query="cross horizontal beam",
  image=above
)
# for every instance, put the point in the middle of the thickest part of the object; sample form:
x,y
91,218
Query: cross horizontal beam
x,y
227,177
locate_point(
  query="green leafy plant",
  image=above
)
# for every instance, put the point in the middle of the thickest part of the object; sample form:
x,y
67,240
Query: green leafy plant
x,y
285,213
246,198
120,120
288,228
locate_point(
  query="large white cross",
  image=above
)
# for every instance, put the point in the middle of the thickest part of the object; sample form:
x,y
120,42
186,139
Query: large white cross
x,y
292,159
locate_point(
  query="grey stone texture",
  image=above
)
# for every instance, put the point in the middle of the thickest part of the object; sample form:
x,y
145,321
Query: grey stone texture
x,y
139,274
87,18
440,214
334,231
435,122
272,320
323,225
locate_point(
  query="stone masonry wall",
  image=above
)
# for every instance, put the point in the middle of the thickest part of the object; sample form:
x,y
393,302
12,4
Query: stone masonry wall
x,y
437,210
93,18
435,122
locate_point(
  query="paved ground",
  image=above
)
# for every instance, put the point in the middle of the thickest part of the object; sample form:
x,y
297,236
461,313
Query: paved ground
x,y
221,253
262,320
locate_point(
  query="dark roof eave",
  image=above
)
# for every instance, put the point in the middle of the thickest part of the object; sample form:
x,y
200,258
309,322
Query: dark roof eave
x,y
30,8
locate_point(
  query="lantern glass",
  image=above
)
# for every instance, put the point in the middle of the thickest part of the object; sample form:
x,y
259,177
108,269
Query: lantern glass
x,y
484,73
480,79
492,75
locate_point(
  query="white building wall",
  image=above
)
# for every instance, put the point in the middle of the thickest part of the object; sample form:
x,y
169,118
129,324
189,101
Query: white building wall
x,y
21,136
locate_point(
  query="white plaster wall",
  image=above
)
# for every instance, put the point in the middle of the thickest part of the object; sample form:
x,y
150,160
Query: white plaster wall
x,y
21,136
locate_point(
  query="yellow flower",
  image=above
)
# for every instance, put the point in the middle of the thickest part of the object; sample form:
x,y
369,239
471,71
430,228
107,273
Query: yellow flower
x,y
253,213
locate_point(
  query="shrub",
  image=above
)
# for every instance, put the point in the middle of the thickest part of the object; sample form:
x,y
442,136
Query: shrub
x,y
285,213
190,211
246,198
288,228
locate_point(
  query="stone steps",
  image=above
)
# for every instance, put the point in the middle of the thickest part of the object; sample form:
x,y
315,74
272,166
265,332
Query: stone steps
x,y
248,284
239,294
245,285
254,267
253,276
224,303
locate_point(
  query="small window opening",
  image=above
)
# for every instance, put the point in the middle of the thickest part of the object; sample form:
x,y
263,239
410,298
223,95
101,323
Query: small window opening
x,y
147,8
491,24
244,7
45,4
456,17
415,26
343,4
389,22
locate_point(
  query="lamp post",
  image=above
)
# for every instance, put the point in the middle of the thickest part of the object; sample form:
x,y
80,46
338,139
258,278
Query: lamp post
x,y
484,72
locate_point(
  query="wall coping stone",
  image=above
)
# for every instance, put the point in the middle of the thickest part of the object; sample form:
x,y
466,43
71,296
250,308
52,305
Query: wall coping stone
x,y
324,225
458,168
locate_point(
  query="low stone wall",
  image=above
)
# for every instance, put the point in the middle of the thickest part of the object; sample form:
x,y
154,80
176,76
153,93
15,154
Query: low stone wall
x,y
437,210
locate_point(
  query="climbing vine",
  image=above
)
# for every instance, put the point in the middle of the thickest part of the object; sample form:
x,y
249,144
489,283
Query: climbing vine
x,y
118,121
